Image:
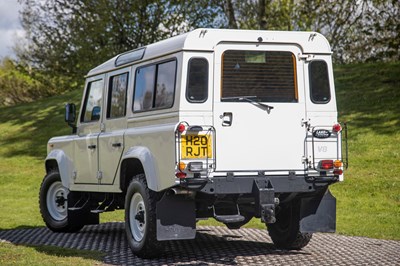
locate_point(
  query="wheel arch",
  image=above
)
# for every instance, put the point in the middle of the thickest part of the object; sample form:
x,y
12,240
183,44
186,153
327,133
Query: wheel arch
x,y
58,160
139,160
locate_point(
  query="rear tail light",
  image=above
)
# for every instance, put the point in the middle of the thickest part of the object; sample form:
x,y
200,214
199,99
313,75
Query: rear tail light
x,y
326,164
336,128
180,175
338,172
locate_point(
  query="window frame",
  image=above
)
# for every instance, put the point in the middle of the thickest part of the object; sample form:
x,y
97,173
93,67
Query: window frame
x,y
174,59
109,92
310,83
207,81
87,92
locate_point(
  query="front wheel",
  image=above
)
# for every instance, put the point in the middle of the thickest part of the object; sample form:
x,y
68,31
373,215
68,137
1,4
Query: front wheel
x,y
285,232
140,219
53,203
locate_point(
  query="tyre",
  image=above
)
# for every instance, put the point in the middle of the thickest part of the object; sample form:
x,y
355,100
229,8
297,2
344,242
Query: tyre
x,y
140,219
285,232
53,204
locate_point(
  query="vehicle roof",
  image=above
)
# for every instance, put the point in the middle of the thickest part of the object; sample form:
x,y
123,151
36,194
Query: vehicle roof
x,y
207,39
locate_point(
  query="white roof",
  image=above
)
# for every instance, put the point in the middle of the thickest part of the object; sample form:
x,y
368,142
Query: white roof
x,y
207,39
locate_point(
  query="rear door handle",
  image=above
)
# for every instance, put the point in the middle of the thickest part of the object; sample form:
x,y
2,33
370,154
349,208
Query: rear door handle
x,y
227,118
92,147
116,145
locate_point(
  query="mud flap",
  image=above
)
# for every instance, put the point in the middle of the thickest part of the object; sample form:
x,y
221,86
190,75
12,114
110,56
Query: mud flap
x,y
176,218
318,214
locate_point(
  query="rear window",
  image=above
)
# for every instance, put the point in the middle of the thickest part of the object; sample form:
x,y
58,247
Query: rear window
x,y
270,76
319,82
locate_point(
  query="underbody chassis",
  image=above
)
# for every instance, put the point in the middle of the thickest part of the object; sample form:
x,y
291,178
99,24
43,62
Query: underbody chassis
x,y
234,200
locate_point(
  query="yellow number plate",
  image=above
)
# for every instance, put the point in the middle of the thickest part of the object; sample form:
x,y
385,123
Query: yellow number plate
x,y
196,146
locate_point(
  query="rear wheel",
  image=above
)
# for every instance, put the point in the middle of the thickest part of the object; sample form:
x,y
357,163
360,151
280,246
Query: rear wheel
x,y
285,232
140,219
53,202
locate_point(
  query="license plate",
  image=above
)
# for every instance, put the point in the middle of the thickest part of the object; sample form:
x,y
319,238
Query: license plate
x,y
196,146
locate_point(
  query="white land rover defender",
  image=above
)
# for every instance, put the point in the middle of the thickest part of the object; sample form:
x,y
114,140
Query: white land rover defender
x,y
214,123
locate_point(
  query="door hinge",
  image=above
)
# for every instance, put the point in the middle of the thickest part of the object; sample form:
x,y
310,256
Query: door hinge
x,y
99,175
102,127
305,123
306,57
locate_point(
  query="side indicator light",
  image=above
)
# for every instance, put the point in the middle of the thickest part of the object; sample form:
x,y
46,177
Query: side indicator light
x,y
337,164
182,166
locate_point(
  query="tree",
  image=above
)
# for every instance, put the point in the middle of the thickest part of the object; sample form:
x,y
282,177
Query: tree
x,y
17,86
69,37
358,31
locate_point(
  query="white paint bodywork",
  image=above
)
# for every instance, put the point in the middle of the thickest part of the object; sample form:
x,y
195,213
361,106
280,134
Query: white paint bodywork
x,y
256,141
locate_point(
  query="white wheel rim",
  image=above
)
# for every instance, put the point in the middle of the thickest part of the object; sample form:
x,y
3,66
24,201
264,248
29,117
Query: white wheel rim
x,y
137,207
56,200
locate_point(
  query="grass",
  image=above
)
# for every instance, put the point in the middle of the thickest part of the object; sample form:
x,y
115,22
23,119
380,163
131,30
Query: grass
x,y
368,201
46,255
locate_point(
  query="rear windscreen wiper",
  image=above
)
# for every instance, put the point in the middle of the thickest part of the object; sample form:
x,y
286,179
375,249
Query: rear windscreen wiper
x,y
250,99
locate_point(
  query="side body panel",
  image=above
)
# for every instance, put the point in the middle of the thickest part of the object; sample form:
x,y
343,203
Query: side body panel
x,y
61,150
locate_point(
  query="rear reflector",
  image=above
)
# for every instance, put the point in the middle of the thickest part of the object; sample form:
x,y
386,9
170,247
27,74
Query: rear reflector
x,y
326,164
181,128
336,128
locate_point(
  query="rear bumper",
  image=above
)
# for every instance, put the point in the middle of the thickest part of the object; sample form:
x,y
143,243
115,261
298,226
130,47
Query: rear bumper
x,y
231,184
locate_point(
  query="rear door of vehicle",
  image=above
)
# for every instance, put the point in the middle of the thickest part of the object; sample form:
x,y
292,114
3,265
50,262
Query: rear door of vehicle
x,y
259,108
111,139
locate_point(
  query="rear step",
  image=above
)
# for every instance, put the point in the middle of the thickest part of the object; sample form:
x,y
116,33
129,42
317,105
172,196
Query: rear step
x,y
227,219
231,218
105,206
80,204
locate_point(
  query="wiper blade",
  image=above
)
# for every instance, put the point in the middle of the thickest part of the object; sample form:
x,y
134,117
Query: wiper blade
x,y
250,99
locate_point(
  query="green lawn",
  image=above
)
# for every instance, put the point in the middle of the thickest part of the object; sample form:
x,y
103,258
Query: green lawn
x,y
368,201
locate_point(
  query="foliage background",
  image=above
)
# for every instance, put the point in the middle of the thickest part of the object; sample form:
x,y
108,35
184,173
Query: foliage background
x,y
66,38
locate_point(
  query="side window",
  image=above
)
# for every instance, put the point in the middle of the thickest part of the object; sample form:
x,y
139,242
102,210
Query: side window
x,y
93,102
197,83
319,82
155,86
116,106
144,87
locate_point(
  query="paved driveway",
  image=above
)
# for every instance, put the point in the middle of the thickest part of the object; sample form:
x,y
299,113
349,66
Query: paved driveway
x,y
218,246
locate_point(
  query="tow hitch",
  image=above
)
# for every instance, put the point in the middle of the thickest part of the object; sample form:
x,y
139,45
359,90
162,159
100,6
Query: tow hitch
x,y
264,191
